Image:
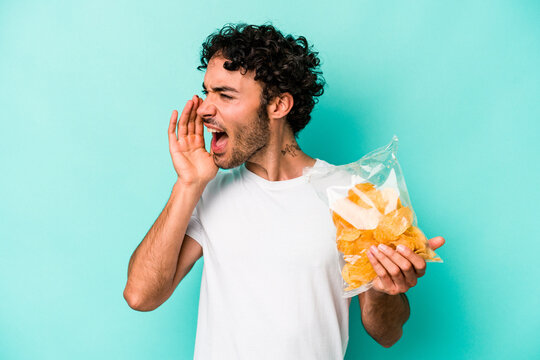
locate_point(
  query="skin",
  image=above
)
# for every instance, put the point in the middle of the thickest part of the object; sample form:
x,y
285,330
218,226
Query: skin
x,y
260,138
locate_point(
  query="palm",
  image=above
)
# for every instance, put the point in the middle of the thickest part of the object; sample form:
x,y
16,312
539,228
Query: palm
x,y
193,164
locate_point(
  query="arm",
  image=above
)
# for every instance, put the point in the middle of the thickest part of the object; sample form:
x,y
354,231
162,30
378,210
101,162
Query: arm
x,y
383,315
166,254
385,307
153,265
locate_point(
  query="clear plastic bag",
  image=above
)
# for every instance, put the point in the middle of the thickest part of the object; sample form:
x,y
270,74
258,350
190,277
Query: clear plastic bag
x,y
369,205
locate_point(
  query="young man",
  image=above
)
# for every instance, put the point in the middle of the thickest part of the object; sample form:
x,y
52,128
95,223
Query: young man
x,y
270,287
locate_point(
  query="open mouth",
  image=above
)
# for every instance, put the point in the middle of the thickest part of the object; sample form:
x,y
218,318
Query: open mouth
x,y
219,139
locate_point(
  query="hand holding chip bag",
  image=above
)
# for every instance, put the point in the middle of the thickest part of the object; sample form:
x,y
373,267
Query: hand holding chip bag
x,y
369,206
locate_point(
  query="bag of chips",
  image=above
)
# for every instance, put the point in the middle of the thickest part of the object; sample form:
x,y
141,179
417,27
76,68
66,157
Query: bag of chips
x,y
369,205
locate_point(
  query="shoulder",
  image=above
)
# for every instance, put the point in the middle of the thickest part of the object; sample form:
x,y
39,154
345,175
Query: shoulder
x,y
325,175
224,180
322,163
324,170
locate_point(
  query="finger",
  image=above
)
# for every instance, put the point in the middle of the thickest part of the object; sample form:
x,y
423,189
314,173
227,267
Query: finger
x,y
393,270
383,275
404,264
192,116
436,242
184,117
416,260
199,127
172,126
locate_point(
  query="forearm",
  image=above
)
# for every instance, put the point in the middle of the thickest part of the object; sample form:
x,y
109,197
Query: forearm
x,y
153,264
384,315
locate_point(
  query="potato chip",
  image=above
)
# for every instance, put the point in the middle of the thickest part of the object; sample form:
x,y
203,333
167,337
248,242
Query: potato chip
x,y
416,233
366,240
405,241
351,258
391,198
361,218
414,239
358,245
367,196
339,221
393,224
355,198
348,247
349,234
360,271
365,187
377,199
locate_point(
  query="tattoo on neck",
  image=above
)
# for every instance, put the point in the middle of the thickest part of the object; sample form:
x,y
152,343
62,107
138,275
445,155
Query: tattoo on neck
x,y
291,149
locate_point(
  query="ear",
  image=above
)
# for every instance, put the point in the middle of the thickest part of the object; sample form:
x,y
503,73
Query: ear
x,y
280,106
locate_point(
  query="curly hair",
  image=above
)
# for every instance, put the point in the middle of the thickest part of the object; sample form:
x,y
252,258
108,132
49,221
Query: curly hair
x,y
281,63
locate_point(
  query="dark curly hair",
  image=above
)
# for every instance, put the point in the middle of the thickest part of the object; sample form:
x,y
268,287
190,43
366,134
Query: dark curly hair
x,y
281,63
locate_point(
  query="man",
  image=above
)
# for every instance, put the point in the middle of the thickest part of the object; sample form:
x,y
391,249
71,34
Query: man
x,y
270,288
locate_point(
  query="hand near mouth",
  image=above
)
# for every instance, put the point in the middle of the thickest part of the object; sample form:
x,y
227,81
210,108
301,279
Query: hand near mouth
x,y
193,164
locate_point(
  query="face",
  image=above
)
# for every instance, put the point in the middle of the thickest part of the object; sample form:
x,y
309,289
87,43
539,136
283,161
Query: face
x,y
233,108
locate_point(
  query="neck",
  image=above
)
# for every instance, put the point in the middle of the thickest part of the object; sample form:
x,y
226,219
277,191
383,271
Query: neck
x,y
281,159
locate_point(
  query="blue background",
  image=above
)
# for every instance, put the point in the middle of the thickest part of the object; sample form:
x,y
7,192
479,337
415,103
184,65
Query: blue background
x,y
86,93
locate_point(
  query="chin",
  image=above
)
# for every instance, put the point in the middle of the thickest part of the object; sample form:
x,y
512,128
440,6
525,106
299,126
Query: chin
x,y
223,162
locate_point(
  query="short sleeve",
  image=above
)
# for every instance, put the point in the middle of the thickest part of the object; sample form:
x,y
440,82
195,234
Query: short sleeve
x,y
195,229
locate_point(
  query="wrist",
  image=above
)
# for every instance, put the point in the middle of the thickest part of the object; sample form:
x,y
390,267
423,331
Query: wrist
x,y
376,294
187,194
380,296
189,188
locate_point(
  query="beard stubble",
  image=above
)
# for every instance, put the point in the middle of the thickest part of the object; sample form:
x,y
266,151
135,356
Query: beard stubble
x,y
248,141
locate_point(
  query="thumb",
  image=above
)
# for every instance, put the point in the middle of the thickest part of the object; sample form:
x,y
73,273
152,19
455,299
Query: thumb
x,y
436,242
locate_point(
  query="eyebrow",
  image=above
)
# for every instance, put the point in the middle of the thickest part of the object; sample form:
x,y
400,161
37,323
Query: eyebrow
x,y
221,88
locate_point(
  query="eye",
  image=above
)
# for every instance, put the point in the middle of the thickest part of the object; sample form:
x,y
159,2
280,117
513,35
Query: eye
x,y
204,92
226,96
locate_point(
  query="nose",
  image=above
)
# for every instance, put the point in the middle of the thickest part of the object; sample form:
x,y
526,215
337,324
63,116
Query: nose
x,y
206,110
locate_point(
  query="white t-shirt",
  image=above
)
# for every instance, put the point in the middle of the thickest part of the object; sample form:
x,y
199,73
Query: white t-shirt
x,y
271,284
